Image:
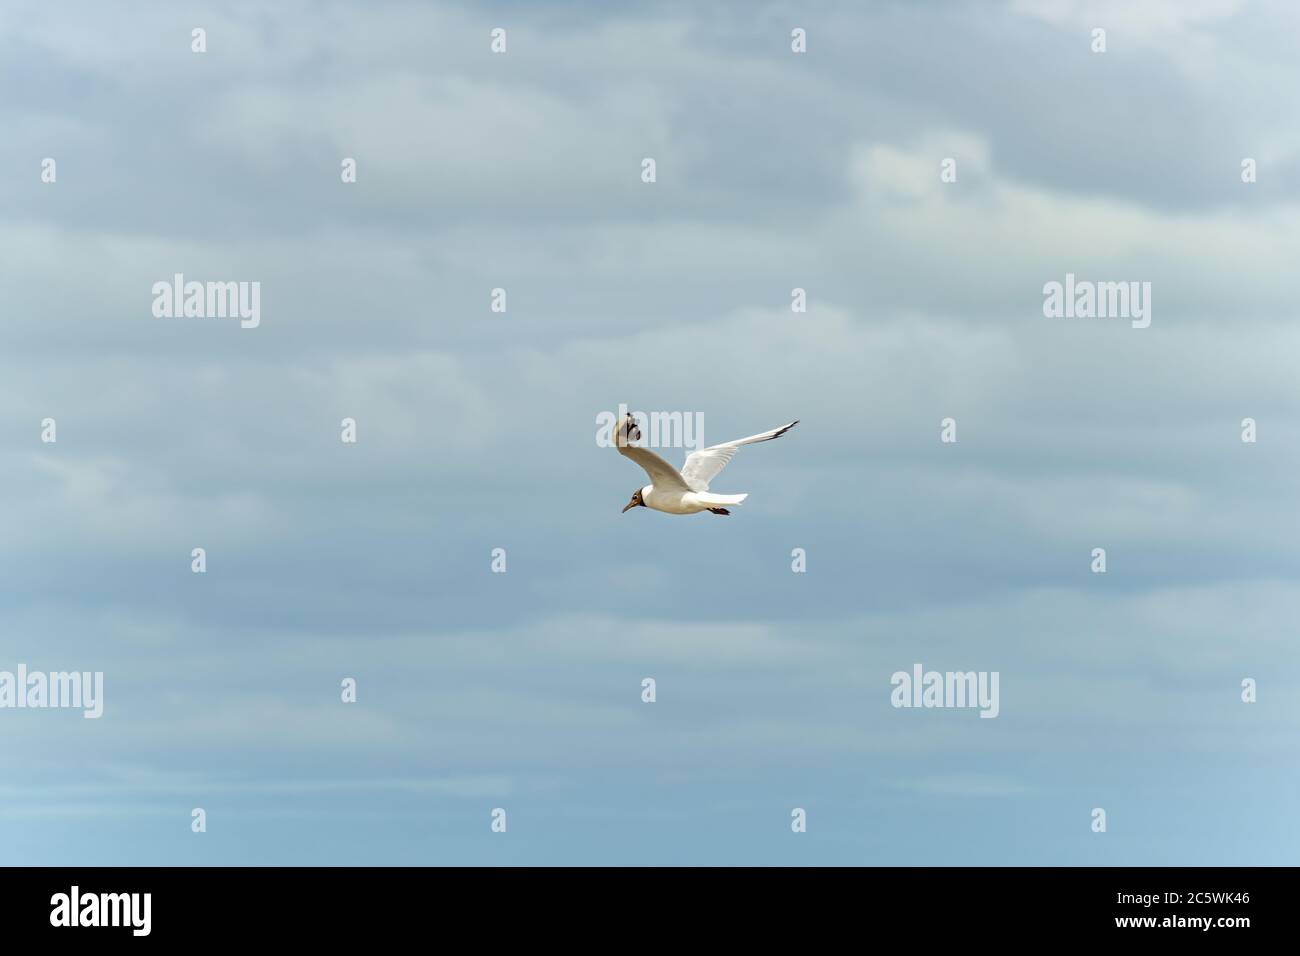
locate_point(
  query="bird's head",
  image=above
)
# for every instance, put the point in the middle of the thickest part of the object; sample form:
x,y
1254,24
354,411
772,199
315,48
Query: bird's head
x,y
637,500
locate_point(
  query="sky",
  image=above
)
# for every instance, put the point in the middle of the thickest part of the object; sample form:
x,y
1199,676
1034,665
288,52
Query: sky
x,y
477,430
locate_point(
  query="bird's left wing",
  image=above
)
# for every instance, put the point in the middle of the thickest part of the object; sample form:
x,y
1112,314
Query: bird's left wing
x,y
662,475
703,466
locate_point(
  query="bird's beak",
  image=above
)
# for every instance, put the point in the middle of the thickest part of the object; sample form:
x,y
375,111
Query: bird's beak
x,y
630,504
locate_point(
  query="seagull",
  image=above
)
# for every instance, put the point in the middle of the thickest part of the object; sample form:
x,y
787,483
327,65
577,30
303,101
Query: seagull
x,y
685,492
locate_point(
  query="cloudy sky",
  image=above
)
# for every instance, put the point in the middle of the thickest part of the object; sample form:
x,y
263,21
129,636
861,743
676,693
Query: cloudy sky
x,y
476,430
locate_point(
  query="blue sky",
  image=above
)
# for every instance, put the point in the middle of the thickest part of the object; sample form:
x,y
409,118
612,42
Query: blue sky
x,y
477,431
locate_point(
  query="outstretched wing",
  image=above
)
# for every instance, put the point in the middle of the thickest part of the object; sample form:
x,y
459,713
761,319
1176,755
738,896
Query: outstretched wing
x,y
703,466
662,475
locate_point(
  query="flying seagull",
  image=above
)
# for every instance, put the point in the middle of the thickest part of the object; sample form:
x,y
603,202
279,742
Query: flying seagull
x,y
685,492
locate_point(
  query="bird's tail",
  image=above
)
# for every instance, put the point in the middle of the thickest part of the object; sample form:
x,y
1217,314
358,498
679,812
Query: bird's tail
x,y
717,501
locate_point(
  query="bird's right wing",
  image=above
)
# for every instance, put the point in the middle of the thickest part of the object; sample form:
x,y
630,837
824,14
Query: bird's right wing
x,y
703,466
662,475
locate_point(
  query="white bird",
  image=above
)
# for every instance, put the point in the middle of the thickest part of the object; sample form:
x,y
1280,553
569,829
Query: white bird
x,y
685,492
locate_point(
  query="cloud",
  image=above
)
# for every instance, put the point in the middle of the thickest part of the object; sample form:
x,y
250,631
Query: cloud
x,y
476,429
